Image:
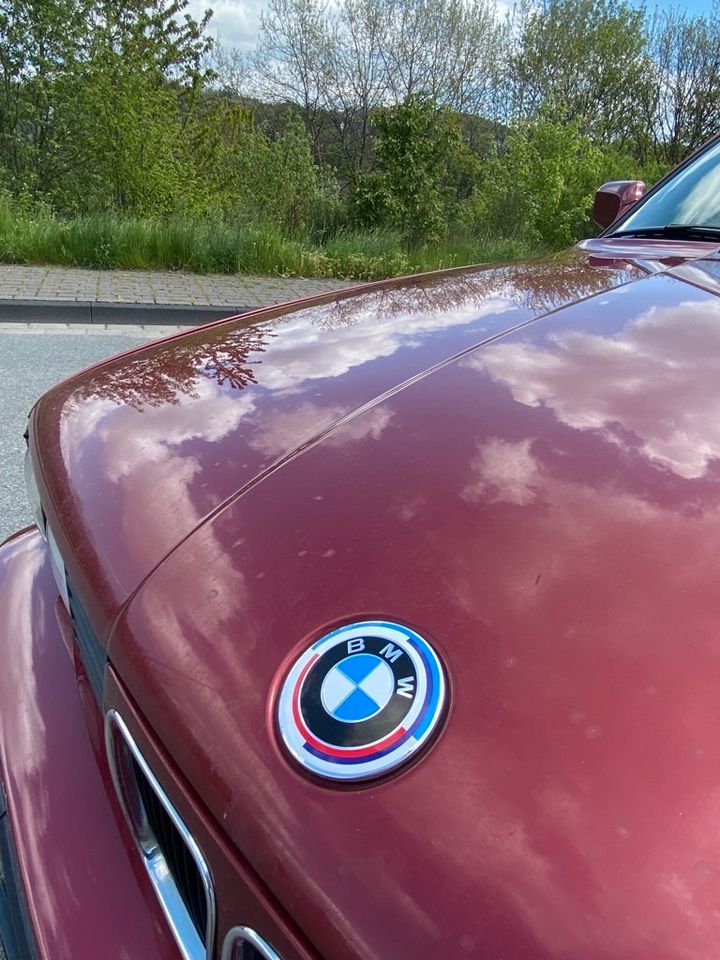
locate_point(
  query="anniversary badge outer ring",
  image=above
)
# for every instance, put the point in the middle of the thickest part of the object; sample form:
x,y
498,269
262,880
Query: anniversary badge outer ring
x,y
364,760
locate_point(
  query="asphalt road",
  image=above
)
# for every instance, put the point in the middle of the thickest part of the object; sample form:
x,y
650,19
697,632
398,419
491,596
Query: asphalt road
x,y
32,358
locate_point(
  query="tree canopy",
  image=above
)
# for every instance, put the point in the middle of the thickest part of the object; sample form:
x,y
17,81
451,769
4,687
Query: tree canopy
x,y
418,117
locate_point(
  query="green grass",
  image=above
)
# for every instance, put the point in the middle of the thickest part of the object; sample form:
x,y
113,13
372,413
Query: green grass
x,y
205,246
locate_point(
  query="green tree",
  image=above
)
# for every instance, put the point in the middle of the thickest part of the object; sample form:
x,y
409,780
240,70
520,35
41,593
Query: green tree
x,y
584,62
539,187
40,45
680,104
247,174
134,94
416,144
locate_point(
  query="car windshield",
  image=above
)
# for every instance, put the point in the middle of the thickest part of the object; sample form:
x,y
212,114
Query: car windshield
x,y
691,198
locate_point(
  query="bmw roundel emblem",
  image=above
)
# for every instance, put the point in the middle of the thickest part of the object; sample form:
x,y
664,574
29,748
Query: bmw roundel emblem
x,y
361,700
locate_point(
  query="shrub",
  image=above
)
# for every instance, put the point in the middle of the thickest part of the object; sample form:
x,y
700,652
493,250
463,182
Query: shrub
x,y
540,186
417,144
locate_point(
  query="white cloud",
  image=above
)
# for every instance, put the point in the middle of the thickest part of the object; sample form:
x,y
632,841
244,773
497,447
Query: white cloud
x,y
233,23
312,351
504,472
657,380
147,464
284,430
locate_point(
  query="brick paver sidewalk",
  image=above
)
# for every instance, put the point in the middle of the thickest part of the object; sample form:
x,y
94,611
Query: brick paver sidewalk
x,y
21,282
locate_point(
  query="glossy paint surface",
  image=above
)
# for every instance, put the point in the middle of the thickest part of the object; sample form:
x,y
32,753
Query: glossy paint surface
x,y
87,894
545,509
646,253
134,454
84,897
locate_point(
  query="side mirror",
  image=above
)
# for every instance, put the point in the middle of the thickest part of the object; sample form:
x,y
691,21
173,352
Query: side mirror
x,y
615,198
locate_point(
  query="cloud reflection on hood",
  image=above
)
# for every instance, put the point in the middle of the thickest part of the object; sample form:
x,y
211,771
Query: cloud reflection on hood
x,y
653,385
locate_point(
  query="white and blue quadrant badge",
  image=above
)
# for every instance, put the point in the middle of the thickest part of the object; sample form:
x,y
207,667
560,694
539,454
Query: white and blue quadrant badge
x,y
361,700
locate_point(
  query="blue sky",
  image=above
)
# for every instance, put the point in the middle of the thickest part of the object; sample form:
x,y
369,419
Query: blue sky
x,y
236,22
691,6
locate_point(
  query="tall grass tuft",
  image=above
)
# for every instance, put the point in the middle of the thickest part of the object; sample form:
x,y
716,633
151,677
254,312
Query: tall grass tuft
x,y
110,241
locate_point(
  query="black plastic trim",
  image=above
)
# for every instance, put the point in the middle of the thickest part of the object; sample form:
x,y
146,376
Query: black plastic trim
x,y
16,937
92,652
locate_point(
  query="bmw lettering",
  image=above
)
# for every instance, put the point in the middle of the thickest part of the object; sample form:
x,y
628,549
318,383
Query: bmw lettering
x,y
361,700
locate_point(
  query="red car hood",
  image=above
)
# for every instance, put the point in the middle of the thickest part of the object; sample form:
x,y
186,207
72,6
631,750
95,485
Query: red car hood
x,y
134,454
546,509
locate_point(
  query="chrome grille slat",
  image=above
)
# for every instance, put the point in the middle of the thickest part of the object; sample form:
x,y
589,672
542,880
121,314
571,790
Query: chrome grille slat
x,y
175,865
175,852
243,943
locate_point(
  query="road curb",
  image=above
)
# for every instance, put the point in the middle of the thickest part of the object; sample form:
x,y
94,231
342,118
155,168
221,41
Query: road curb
x,y
99,312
